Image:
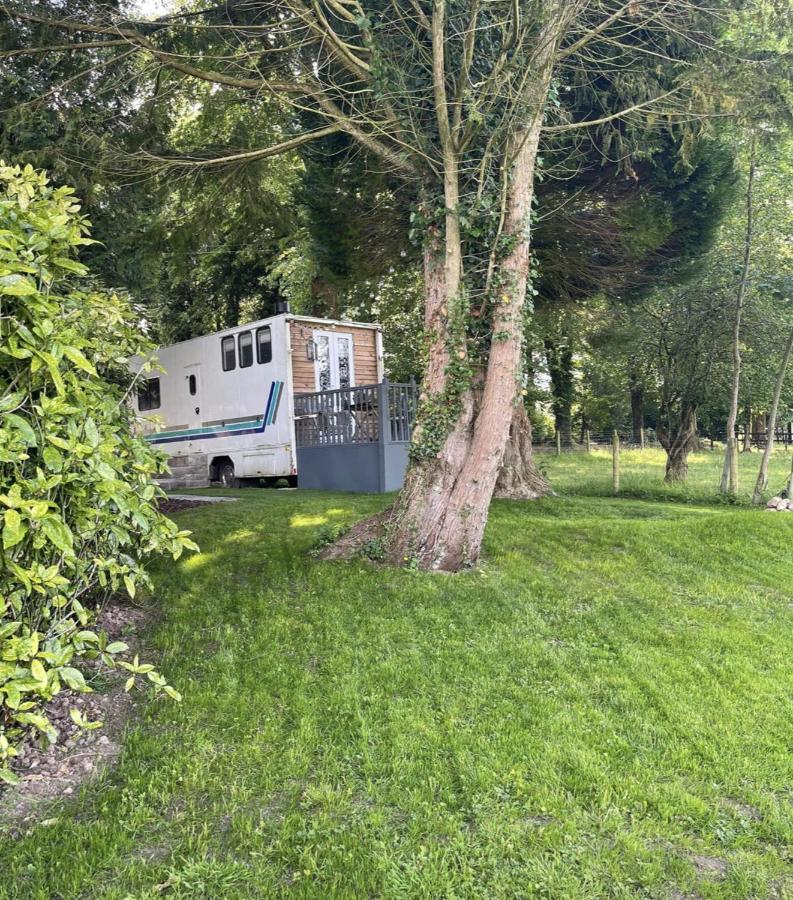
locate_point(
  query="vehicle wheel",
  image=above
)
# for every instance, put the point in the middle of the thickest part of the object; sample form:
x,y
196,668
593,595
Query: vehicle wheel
x,y
226,476
291,480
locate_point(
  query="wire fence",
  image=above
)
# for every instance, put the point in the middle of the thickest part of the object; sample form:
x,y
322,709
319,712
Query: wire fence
x,y
586,441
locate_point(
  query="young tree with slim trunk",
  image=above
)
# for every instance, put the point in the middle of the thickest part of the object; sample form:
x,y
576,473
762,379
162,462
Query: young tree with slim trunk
x,y
762,476
729,475
454,96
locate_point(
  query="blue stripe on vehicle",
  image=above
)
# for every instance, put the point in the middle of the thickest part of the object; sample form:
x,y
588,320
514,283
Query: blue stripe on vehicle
x,y
266,422
276,399
251,426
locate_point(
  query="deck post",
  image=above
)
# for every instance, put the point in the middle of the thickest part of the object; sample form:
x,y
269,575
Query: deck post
x,y
383,430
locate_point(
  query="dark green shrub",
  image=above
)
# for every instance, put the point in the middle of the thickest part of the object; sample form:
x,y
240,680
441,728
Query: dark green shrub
x,y
77,502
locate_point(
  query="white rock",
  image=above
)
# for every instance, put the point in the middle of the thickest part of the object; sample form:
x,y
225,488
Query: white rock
x,y
783,504
773,502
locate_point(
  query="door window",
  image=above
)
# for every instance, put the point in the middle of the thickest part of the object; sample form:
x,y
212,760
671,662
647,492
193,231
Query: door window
x,y
343,359
334,362
324,374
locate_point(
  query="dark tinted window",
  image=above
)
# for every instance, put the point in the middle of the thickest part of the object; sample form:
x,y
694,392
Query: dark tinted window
x,y
264,345
149,394
191,384
228,354
246,349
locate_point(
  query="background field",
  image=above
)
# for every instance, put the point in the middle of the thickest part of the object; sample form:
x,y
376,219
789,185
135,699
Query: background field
x,y
601,709
642,474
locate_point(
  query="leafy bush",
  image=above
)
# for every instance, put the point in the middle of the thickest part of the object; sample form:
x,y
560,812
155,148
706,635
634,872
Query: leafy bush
x,y
77,502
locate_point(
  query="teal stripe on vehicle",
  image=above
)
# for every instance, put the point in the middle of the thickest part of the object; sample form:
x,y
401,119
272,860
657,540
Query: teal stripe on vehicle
x,y
199,432
271,412
258,424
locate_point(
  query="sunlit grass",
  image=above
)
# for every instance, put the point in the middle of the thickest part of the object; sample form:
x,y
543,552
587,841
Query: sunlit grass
x,y
604,699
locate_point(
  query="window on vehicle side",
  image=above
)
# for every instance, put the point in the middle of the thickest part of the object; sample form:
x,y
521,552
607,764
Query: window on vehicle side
x,y
245,346
149,394
191,385
264,344
228,354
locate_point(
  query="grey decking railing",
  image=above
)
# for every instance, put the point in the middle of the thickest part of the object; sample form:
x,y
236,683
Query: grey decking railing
x,y
353,415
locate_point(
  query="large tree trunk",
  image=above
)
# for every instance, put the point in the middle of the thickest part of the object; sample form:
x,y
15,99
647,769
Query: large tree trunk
x,y
438,520
729,474
679,445
519,478
762,475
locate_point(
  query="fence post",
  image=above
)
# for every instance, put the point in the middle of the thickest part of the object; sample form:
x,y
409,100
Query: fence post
x,y
615,462
558,442
790,482
641,438
588,442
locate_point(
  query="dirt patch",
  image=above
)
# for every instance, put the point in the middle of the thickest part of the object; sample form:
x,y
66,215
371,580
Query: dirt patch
x,y
710,866
539,821
58,771
170,505
744,810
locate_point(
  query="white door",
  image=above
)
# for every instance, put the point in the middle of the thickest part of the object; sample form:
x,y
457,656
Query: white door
x,y
334,364
192,395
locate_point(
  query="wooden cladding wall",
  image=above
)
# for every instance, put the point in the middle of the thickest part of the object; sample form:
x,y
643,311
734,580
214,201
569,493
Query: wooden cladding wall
x,y
364,353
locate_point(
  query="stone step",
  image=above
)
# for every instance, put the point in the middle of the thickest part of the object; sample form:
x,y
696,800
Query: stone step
x,y
188,460
179,471
183,481
178,484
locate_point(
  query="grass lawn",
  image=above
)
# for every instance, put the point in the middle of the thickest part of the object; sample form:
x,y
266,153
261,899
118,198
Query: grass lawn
x,y
602,709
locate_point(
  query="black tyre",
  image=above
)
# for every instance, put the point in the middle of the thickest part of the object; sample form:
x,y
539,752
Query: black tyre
x,y
226,476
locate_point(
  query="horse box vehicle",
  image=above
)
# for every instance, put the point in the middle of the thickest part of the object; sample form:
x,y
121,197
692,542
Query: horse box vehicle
x,y
223,406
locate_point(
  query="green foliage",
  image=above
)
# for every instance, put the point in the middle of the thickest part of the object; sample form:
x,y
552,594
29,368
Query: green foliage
x,y
79,509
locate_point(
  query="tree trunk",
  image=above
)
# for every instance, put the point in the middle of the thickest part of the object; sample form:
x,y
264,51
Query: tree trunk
x,y
678,447
637,410
560,369
762,475
747,424
519,478
729,479
437,522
